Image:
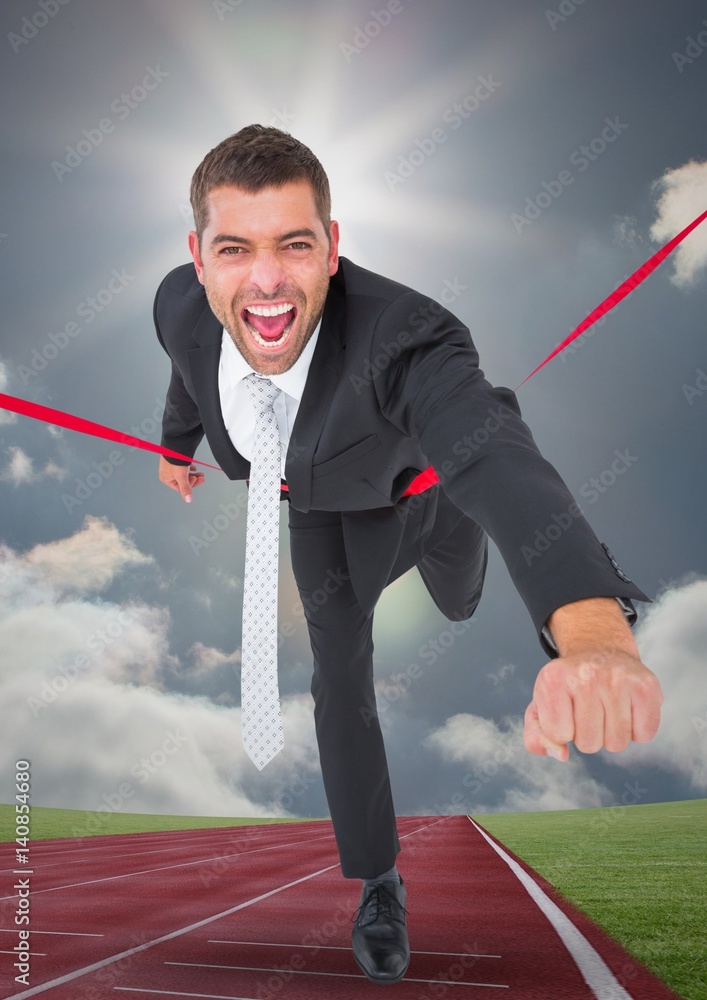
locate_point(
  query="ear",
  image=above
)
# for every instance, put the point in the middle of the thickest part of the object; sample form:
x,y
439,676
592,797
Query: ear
x,y
194,250
334,248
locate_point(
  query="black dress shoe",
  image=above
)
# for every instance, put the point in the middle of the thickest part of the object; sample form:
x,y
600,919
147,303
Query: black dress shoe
x,y
380,937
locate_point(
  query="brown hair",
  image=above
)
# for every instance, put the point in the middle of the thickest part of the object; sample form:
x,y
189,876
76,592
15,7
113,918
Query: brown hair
x,y
257,157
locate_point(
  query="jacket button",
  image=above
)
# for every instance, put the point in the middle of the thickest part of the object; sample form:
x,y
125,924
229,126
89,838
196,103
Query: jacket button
x,y
619,572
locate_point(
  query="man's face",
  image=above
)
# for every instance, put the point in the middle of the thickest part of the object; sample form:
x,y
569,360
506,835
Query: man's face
x,y
265,262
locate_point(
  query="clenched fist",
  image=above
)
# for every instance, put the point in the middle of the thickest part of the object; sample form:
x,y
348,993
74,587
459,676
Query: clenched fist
x,y
597,693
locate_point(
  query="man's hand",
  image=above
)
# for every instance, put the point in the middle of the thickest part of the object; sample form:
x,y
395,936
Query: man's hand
x,y
597,693
182,478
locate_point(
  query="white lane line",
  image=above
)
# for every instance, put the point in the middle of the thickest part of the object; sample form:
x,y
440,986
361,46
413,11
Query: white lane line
x,y
191,843
8,930
100,858
70,976
91,859
341,947
165,868
203,861
50,844
335,975
595,972
32,954
172,993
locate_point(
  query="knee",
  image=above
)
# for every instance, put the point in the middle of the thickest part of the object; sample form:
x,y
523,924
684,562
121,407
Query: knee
x,y
342,700
463,614
333,608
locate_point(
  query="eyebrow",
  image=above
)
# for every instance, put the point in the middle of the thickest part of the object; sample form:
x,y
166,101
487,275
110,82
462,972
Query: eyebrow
x,y
295,234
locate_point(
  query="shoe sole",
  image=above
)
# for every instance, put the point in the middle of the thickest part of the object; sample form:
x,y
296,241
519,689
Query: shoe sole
x,y
378,980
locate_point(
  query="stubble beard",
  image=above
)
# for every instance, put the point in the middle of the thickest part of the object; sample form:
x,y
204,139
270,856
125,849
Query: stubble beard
x,y
304,324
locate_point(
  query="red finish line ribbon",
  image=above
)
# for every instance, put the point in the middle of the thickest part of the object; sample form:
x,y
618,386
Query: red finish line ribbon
x,y
621,292
426,478
72,423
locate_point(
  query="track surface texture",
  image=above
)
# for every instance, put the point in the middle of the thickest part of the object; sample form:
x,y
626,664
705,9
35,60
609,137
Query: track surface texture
x,y
263,912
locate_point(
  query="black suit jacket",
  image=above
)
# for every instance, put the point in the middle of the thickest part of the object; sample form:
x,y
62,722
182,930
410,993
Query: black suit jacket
x,y
394,387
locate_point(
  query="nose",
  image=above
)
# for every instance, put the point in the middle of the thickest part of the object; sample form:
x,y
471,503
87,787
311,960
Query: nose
x,y
267,272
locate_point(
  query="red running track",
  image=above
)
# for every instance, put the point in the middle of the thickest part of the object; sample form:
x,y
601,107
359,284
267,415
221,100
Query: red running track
x,y
262,912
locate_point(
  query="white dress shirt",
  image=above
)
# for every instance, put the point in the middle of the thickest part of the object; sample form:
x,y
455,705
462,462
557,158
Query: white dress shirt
x,y
236,405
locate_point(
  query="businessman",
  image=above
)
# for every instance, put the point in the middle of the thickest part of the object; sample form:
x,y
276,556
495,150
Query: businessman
x,y
394,452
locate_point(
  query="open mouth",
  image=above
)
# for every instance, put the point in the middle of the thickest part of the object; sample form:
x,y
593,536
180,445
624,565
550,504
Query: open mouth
x,y
270,326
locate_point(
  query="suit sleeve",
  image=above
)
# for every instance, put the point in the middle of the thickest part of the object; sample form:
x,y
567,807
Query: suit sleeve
x,y
181,423
474,436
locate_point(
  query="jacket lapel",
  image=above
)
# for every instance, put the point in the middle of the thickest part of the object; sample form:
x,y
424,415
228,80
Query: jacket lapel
x,y
322,380
204,365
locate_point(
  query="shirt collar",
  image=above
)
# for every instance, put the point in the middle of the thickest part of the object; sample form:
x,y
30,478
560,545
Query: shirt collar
x,y
290,382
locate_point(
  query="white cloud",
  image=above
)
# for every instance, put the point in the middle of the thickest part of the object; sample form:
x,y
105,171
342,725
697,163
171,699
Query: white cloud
x,y
53,471
19,469
81,684
206,661
500,676
89,560
626,232
207,658
672,638
683,197
502,776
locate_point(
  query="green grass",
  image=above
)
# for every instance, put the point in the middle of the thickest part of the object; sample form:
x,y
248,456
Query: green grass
x,y
639,871
50,823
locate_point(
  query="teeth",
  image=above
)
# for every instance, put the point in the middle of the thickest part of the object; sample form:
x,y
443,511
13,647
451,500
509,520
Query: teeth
x,y
270,310
268,343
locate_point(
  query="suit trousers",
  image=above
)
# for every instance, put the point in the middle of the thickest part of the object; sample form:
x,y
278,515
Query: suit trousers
x,y
451,555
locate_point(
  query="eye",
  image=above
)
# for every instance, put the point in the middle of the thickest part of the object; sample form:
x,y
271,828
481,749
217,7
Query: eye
x,y
232,251
299,246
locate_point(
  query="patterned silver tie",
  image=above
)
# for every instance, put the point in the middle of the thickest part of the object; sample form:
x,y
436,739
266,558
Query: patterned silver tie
x,y
261,718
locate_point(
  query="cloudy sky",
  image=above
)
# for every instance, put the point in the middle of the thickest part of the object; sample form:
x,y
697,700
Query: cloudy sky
x,y
528,156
